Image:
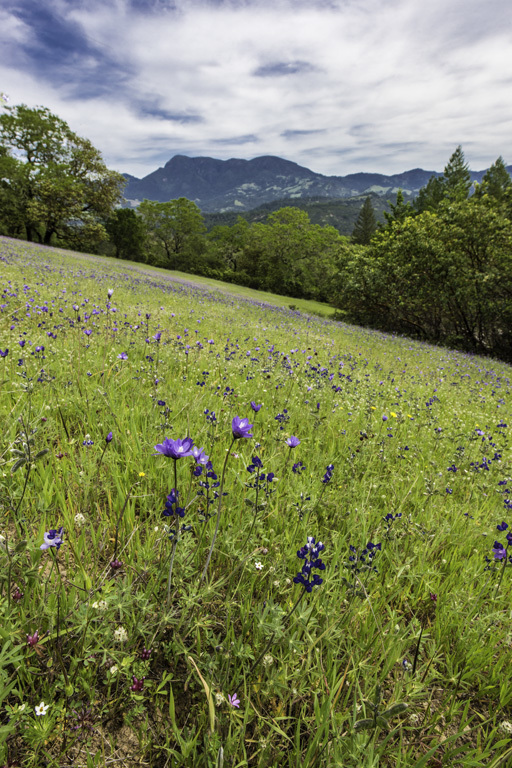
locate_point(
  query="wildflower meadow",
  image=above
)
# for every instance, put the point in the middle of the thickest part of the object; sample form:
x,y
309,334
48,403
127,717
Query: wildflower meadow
x,y
235,534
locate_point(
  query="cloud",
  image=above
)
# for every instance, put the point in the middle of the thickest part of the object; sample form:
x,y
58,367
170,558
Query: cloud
x,y
337,85
280,68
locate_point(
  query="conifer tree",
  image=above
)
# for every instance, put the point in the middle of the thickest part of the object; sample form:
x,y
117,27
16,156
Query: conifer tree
x,y
496,182
456,178
366,224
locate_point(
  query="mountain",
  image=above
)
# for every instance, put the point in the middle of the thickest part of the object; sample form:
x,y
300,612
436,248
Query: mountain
x,y
241,185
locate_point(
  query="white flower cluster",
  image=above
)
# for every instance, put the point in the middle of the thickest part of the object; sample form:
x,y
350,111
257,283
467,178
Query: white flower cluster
x,y
120,635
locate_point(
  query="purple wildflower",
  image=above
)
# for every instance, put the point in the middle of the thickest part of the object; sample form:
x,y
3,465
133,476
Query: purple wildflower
x,y
241,428
53,538
234,701
175,449
293,441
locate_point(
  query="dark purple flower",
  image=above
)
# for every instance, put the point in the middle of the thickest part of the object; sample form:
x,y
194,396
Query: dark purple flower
x,y
175,449
138,684
116,564
309,553
87,331
499,551
109,437
32,640
241,428
328,474
502,527
53,538
122,356
4,354
255,406
171,505
145,654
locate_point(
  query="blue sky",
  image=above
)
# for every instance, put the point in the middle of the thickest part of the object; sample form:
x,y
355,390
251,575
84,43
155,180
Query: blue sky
x,y
339,86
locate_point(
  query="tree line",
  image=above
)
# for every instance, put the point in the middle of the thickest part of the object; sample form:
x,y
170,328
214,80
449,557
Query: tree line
x,y
439,268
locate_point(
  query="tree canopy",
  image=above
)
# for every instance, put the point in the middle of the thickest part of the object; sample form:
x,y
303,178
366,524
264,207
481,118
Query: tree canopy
x,y
53,183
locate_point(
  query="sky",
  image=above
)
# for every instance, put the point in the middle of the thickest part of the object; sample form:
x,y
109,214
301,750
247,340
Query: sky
x,y
338,86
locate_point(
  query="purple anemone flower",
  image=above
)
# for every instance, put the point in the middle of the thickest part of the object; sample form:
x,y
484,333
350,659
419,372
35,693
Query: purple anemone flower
x,y
175,449
241,428
199,455
293,441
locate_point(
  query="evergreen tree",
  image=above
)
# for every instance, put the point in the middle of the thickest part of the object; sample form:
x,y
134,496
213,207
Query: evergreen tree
x,y
456,178
366,224
496,182
399,210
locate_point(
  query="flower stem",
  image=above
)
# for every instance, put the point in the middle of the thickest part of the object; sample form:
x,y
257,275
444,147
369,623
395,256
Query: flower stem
x,y
205,569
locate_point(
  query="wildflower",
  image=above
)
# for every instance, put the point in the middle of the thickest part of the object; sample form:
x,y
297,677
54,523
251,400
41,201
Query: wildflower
x,y
108,438
219,698
4,354
120,635
42,709
145,654
384,417
88,442
328,474
116,564
142,474
268,660
298,468
110,292
100,605
258,565
241,428
171,505
255,407
293,442
309,553
234,701
199,455
53,538
17,595
114,669
122,356
433,597
499,551
79,519
32,640
175,449
505,727
138,685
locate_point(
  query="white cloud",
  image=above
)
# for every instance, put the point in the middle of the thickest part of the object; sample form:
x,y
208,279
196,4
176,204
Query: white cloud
x,y
373,85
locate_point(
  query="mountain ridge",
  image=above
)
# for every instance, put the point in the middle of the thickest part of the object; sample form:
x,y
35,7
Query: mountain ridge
x,y
241,185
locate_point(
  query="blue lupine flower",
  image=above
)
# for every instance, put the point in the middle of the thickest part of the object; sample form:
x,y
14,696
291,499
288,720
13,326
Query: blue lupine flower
x,y
309,553
328,474
53,538
171,505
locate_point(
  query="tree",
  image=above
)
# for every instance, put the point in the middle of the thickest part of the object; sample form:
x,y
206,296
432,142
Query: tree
x,y
399,210
54,183
178,229
366,224
453,185
127,234
456,178
496,183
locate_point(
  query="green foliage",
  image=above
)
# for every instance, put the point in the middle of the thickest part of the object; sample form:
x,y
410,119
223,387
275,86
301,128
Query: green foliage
x,y
444,276
54,185
366,224
177,230
453,185
127,234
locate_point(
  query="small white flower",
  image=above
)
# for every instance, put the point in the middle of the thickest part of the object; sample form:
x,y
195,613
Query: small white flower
x,y
276,583
101,605
79,519
42,709
258,566
505,727
114,669
268,660
120,635
219,699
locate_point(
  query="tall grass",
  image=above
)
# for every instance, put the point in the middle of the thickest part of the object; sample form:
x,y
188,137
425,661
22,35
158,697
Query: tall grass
x,y
396,654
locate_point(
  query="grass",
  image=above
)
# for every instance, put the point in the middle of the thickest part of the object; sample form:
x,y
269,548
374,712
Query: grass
x,y
124,646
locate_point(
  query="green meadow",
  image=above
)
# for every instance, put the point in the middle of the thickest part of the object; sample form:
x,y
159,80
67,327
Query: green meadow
x,y
235,532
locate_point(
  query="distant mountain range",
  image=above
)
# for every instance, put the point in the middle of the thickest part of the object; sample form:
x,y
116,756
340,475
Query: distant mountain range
x,y
241,185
